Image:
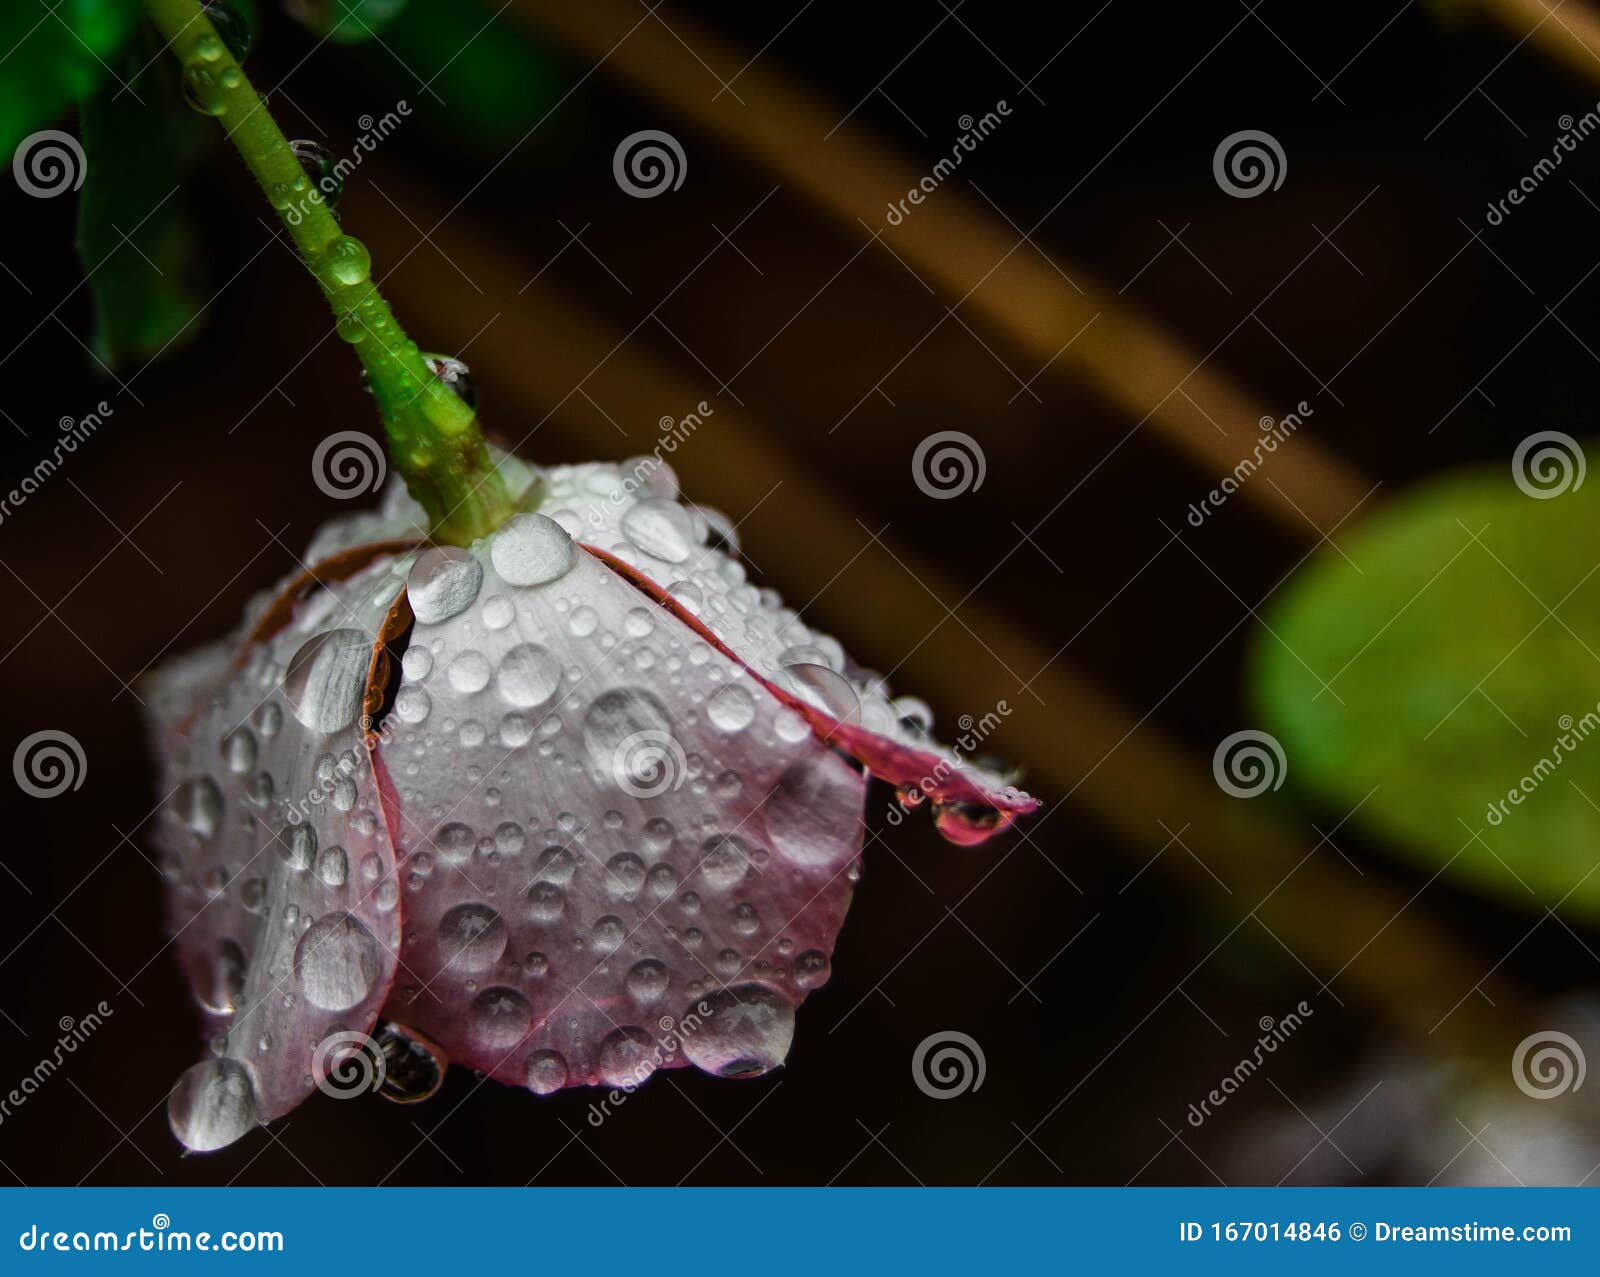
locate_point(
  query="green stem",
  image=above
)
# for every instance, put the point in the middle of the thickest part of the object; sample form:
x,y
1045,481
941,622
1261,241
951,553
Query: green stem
x,y
434,439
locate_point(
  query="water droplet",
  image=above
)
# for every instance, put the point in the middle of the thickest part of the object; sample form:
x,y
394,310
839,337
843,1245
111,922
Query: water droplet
x,y
239,750
624,876
557,864
547,1072
660,528
811,969
724,861
333,866
454,842
412,705
731,709
268,719
968,824
529,675
616,724
500,1018
198,804
545,902
687,595
336,962
583,622
442,583
531,550
813,814
212,1105
299,847
326,679
609,934
509,838
658,834
639,622
469,672
498,612
472,937
663,881
748,1032
346,261
826,689
231,25
219,980
627,1057
745,919
515,731
200,91
647,980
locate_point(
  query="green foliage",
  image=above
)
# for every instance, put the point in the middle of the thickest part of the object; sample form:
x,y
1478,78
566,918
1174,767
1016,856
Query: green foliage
x,y
1460,648
140,144
55,55
347,21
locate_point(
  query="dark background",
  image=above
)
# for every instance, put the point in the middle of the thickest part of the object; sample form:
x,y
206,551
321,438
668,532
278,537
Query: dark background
x,y
1094,1051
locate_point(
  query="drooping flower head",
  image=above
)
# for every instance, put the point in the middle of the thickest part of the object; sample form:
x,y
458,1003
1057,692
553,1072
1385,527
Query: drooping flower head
x,y
568,805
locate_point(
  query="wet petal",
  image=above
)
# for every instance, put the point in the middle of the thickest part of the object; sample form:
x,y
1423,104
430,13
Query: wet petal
x,y
597,851
281,893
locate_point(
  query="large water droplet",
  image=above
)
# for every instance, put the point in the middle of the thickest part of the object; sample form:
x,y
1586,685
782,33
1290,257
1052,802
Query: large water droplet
x,y
547,1072
731,709
532,549
336,962
345,261
443,582
528,676
212,1105
627,1057
616,724
469,672
647,980
231,25
748,1031
317,163
724,861
660,528
327,678
813,814
198,804
501,1018
472,938
824,688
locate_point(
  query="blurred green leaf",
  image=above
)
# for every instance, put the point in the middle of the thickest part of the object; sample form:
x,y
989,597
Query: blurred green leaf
x,y
486,79
1451,660
53,55
346,21
135,236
